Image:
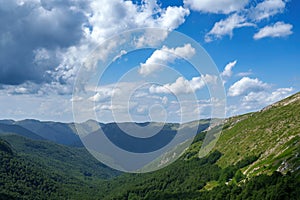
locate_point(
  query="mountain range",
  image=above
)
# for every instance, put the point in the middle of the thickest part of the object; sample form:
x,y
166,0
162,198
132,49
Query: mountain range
x,y
257,156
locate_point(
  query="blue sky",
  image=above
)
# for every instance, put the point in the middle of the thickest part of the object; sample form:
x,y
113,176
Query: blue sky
x,y
43,44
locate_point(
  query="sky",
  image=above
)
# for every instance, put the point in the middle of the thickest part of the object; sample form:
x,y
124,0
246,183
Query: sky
x,y
46,44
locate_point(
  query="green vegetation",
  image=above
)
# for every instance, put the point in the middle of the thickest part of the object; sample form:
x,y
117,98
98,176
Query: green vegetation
x,y
74,161
23,179
256,157
271,134
43,170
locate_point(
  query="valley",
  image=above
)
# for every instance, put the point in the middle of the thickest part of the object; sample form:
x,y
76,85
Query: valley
x,y
257,156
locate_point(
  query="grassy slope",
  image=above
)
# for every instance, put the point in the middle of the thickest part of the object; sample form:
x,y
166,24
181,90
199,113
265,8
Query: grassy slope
x,y
273,134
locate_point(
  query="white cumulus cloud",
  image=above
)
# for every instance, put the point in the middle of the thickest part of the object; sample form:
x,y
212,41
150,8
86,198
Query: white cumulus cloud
x,y
266,9
172,17
228,69
279,29
104,94
184,86
227,73
61,34
247,15
165,55
265,98
216,6
247,85
226,27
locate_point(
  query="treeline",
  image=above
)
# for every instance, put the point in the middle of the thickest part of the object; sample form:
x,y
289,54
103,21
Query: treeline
x,y
21,178
187,180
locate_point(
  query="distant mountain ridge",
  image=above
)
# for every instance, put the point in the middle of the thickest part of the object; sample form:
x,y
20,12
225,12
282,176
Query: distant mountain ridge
x,y
61,133
11,128
67,133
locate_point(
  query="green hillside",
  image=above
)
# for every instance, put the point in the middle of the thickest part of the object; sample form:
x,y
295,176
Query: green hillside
x,y
71,161
257,154
31,169
273,134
